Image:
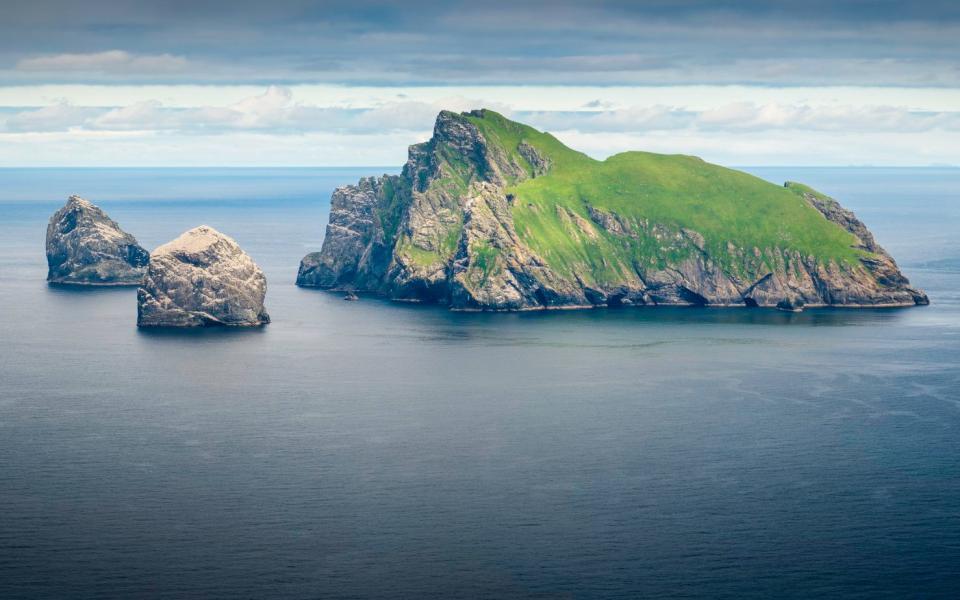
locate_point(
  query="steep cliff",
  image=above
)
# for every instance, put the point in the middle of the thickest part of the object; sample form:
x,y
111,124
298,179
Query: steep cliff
x,y
492,214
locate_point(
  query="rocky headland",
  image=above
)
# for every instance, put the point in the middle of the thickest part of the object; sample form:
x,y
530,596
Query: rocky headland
x,y
490,214
202,278
86,247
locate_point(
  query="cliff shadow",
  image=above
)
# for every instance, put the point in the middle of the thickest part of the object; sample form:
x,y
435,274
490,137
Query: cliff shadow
x,y
736,316
691,315
82,289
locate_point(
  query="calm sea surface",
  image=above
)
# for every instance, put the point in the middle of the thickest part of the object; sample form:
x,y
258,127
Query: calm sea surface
x,y
369,449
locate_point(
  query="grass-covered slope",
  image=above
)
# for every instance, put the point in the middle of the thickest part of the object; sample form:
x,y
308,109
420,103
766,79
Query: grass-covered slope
x,y
723,205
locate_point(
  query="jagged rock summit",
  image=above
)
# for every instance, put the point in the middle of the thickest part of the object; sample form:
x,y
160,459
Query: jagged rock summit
x,y
86,247
492,214
202,278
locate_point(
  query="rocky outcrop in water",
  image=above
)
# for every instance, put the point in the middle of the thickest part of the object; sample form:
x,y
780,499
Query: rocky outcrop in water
x,y
490,214
86,247
202,278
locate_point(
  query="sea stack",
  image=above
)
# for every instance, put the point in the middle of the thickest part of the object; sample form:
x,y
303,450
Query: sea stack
x,y
86,247
491,214
203,278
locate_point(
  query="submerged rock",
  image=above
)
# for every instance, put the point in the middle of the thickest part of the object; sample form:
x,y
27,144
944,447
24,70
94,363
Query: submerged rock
x,y
200,279
86,247
790,305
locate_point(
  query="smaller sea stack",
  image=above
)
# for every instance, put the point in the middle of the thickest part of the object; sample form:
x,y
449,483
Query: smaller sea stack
x,y
86,247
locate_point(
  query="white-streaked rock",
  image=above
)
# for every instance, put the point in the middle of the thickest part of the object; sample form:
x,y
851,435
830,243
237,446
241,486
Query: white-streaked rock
x,y
202,278
86,247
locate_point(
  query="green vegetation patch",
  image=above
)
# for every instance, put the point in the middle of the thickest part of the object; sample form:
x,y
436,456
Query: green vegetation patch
x,y
485,261
674,191
508,135
393,203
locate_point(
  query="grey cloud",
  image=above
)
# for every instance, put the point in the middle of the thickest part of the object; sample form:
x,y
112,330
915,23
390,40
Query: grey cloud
x,y
110,61
563,42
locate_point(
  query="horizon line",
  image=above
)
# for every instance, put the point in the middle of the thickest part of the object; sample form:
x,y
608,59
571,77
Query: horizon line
x,y
397,168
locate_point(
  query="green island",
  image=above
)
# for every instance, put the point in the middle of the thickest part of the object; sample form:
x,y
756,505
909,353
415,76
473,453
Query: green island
x,y
491,214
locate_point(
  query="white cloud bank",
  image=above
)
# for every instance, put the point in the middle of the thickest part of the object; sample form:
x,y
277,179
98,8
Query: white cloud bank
x,y
276,111
275,128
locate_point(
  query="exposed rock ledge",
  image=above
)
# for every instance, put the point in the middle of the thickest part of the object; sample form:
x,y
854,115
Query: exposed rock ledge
x,y
86,247
202,278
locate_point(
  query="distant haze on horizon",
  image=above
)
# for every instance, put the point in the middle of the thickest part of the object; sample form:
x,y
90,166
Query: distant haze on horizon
x,y
298,83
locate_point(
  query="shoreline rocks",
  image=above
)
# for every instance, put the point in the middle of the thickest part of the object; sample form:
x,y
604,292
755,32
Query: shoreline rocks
x,y
203,278
790,305
85,247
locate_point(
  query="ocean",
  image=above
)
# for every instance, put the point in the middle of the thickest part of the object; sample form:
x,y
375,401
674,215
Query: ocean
x,y
379,450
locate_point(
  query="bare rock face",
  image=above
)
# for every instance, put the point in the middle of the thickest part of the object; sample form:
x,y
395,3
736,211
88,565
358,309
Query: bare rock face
x,y
86,247
354,246
885,285
201,279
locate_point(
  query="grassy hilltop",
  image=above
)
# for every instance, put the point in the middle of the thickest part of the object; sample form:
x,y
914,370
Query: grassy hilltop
x,y
678,191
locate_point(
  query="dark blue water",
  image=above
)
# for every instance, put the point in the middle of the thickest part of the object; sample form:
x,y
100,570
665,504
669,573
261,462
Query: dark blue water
x,y
367,449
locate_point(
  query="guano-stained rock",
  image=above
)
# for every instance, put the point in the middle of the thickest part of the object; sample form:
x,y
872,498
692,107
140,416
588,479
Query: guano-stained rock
x,y
86,247
202,278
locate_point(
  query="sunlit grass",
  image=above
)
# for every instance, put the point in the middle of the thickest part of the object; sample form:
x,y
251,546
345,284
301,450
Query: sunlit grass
x,y
725,206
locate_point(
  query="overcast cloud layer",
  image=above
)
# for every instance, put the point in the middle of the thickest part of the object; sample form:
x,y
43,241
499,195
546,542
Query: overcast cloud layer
x,y
244,82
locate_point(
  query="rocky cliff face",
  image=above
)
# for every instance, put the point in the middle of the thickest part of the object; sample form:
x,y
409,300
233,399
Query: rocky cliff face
x,y
890,282
86,247
493,215
201,279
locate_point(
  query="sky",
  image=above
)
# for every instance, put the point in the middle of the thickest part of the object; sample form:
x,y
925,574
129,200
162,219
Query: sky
x,y
335,83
